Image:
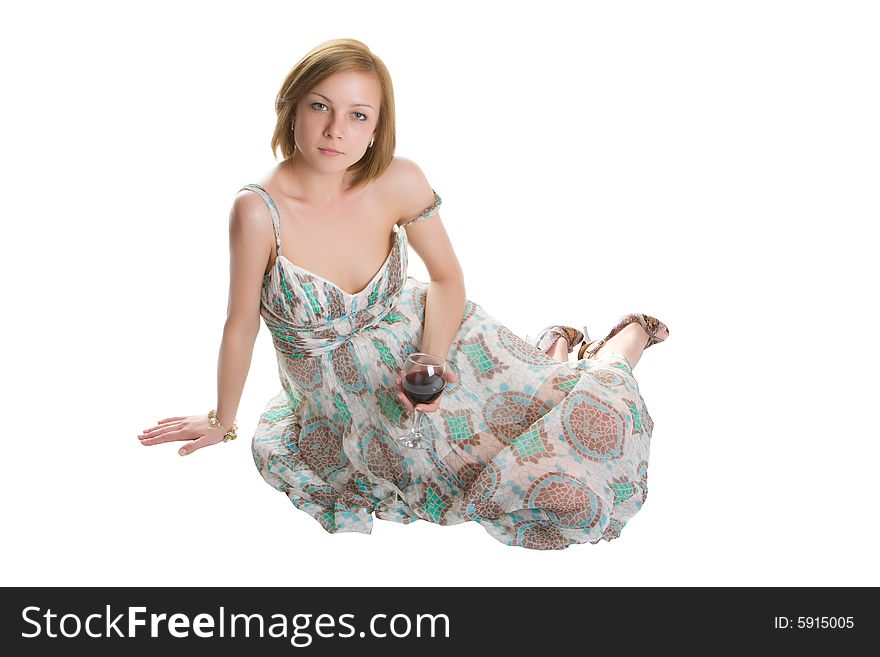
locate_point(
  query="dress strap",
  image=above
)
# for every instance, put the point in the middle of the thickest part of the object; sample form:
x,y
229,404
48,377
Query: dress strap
x,y
427,212
273,210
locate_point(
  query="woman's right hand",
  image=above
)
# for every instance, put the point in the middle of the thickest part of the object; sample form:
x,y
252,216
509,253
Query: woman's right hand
x,y
194,428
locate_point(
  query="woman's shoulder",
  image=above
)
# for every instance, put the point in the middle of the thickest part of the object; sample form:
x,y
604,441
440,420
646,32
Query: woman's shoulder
x,y
406,187
247,216
249,204
403,173
257,202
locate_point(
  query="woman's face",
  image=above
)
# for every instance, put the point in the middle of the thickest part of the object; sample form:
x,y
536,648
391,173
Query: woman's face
x,y
335,121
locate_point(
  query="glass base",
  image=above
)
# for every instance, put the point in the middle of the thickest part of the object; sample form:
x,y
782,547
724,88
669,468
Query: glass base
x,y
412,441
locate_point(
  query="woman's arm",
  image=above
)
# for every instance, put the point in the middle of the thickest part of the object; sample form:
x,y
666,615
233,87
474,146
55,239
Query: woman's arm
x,y
444,307
446,298
250,248
233,365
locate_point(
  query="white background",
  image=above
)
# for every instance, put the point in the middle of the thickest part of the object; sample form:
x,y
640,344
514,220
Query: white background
x,y
713,164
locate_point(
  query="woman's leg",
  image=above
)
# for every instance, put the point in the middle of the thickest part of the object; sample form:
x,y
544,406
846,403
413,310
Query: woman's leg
x,y
630,341
559,350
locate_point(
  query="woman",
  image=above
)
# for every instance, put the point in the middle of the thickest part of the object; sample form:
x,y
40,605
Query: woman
x,y
543,454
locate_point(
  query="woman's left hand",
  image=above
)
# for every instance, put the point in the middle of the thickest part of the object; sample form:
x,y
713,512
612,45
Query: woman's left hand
x,y
448,375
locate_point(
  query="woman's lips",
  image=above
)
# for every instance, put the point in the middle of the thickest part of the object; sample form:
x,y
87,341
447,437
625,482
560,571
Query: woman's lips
x,y
327,151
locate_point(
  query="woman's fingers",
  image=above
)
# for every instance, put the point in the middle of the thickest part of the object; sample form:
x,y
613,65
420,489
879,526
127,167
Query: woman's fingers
x,y
402,397
189,448
450,377
156,432
404,400
168,436
162,424
163,427
407,404
424,408
430,408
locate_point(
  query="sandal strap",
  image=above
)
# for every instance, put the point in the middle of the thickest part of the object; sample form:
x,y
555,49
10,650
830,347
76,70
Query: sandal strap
x,y
651,325
590,349
572,336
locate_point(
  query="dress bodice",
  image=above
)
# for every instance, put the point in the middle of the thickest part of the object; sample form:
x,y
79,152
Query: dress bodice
x,y
309,315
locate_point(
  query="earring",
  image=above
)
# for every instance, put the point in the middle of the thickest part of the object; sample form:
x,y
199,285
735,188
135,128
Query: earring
x,y
291,126
371,143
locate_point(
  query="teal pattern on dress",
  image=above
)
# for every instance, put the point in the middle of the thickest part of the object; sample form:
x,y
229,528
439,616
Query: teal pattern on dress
x,y
542,454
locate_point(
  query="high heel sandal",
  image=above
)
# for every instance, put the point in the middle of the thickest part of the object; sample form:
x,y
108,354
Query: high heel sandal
x,y
548,337
653,327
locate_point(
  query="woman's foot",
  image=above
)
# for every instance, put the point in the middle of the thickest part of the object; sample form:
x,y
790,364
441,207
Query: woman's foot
x,y
632,334
557,341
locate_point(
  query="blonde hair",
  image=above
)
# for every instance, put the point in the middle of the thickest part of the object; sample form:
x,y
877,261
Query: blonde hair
x,y
321,62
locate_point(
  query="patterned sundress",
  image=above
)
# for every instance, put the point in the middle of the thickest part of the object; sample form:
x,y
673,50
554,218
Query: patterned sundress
x,y
541,453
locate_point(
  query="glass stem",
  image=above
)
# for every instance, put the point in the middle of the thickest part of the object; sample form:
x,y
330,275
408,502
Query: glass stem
x,y
417,424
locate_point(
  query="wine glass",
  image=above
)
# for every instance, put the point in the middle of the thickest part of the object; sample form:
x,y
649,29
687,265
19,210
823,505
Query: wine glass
x,y
422,383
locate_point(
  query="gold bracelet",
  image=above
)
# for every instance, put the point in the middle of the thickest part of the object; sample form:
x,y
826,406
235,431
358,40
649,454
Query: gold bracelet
x,y
228,434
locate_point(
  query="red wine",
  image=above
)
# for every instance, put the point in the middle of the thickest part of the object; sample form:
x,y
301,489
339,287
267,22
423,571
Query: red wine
x,y
422,388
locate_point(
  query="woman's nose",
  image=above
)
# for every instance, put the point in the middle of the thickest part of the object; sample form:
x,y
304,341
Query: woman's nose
x,y
334,126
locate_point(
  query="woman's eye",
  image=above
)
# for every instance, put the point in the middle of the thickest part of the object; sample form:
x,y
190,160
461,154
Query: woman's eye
x,y
322,106
360,117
